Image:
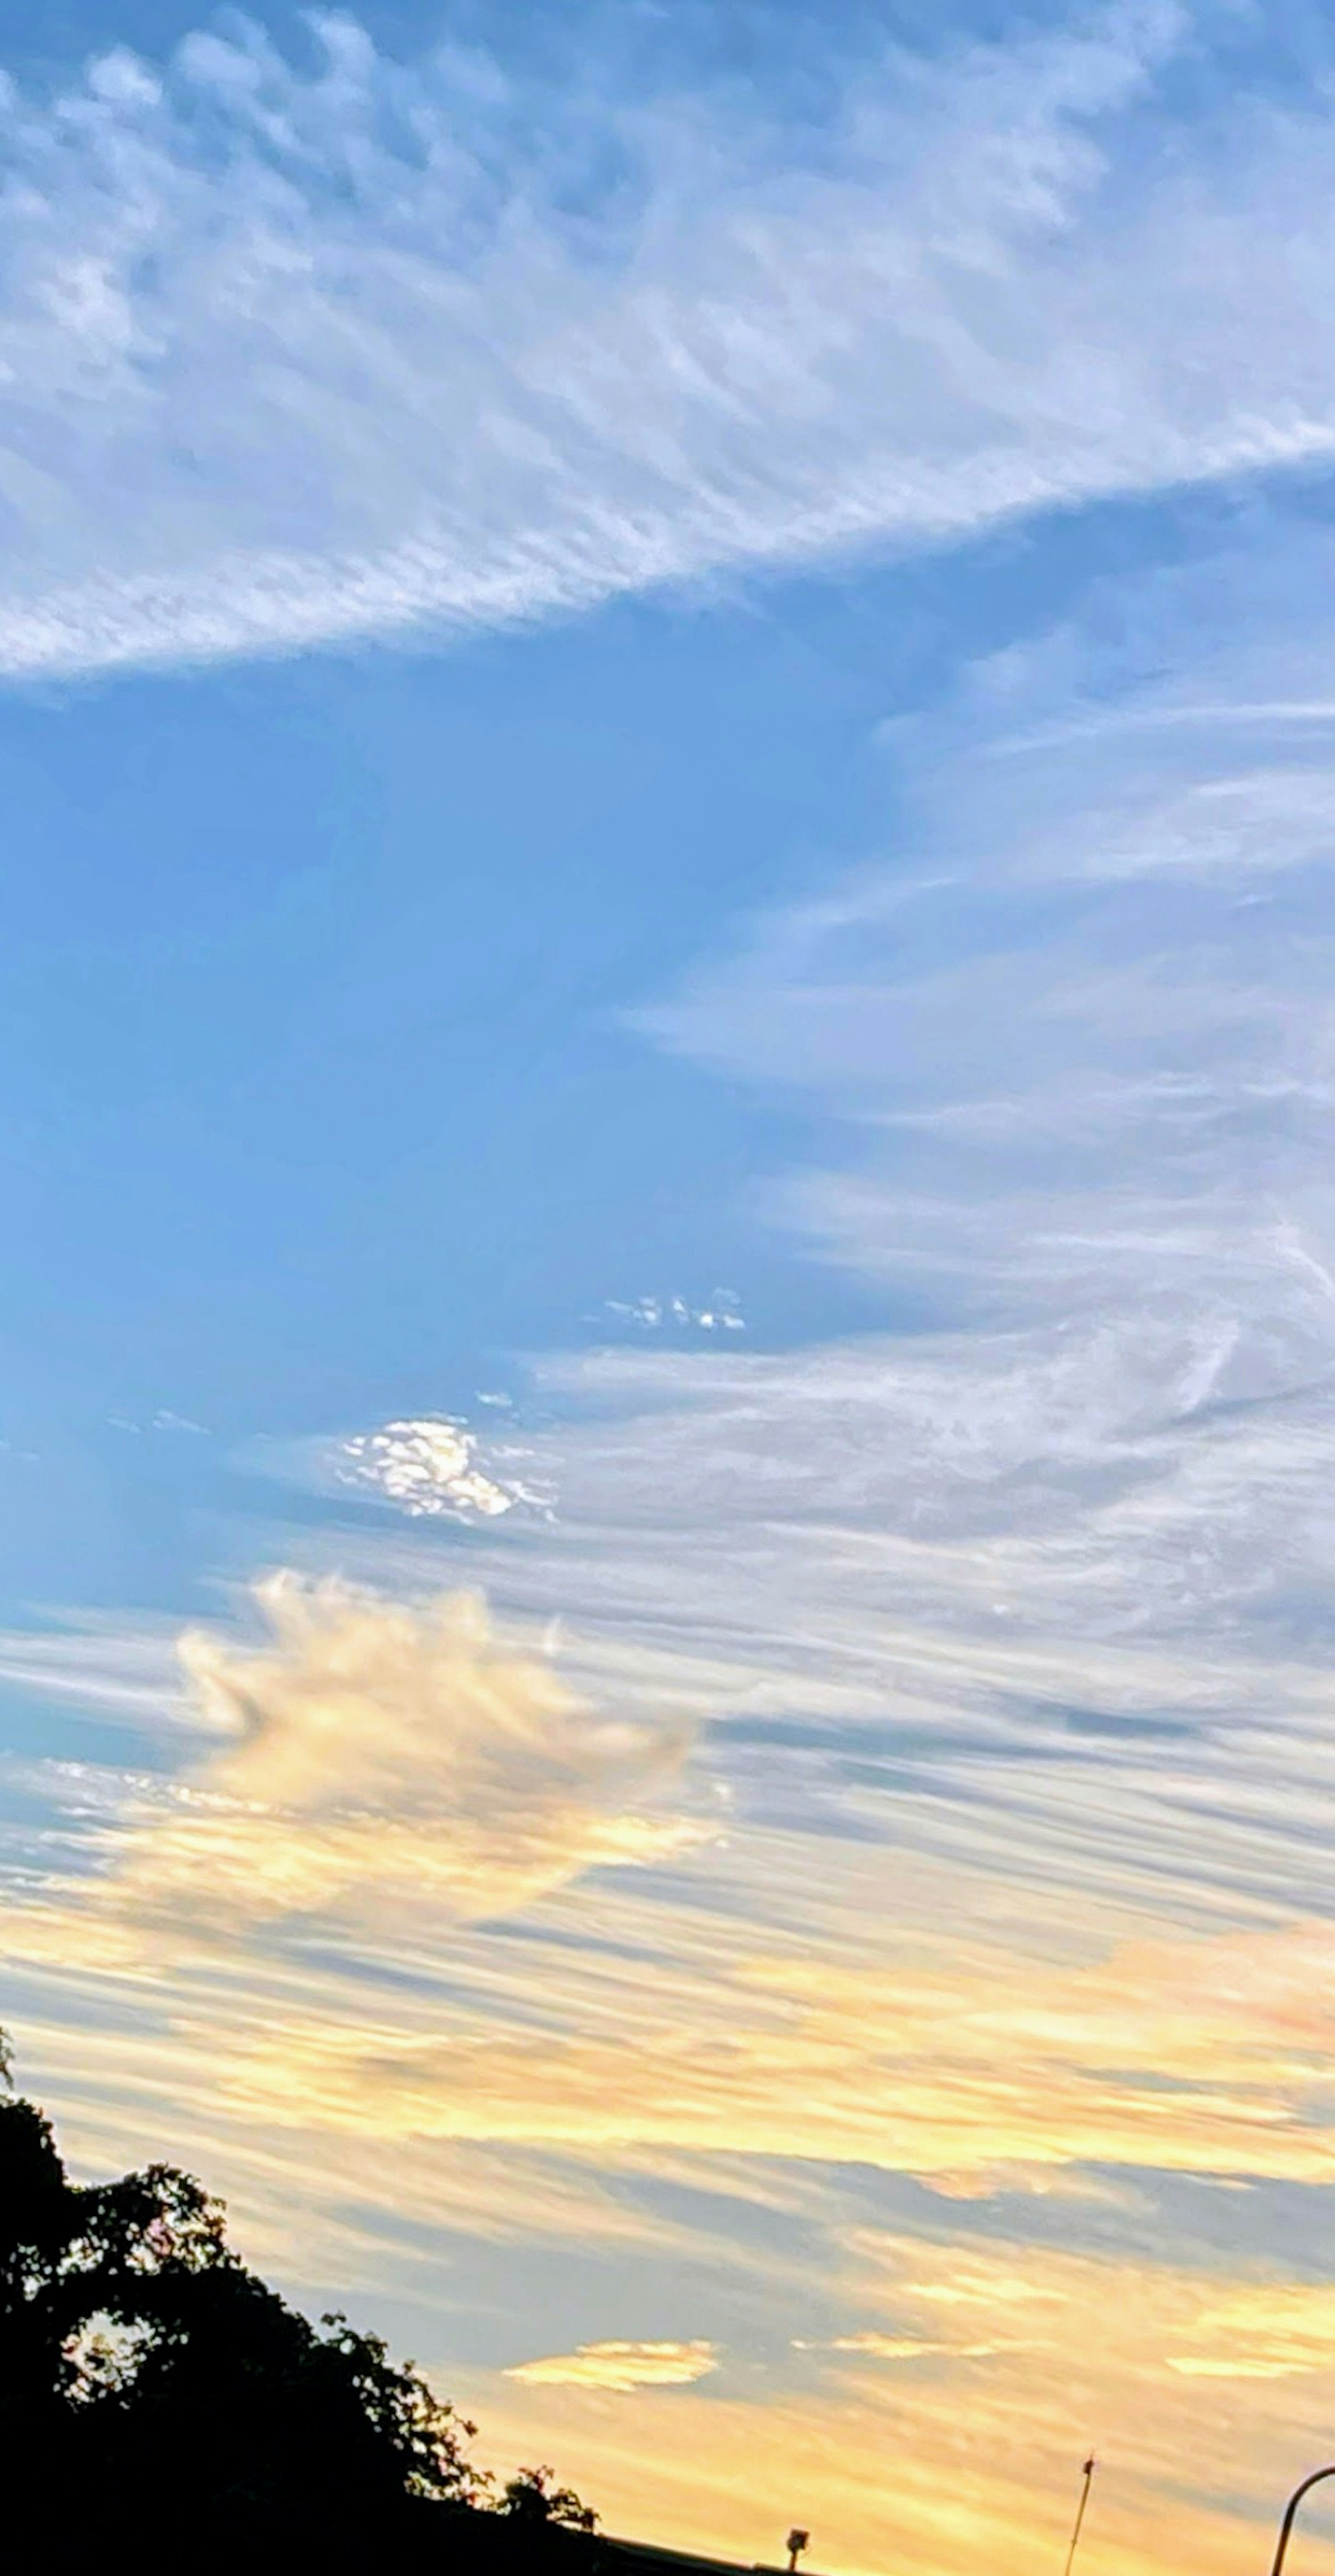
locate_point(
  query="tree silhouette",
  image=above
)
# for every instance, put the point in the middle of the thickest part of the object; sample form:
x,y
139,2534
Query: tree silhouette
x,y
531,2499
152,2386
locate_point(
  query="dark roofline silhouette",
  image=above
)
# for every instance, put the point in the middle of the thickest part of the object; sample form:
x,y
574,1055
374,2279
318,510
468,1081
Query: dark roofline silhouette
x,y
641,2554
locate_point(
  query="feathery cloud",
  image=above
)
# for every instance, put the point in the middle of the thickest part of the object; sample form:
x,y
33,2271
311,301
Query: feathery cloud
x,y
1053,1566
376,1755
303,354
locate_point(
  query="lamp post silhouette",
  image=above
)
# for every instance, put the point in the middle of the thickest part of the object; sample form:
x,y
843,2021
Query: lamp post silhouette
x,y
1290,2513
796,2542
1087,2474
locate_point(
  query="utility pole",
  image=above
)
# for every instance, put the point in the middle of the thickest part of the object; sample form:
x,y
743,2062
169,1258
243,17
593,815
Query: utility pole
x,y
1087,2475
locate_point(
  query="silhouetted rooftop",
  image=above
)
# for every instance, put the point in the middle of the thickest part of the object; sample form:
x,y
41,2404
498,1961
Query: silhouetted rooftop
x,y
640,2555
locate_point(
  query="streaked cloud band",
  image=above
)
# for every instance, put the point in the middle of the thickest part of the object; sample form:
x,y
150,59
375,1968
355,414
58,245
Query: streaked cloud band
x,y
304,355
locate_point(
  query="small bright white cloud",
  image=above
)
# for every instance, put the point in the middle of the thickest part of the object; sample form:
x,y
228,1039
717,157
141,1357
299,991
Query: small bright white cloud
x,y
429,1468
722,1314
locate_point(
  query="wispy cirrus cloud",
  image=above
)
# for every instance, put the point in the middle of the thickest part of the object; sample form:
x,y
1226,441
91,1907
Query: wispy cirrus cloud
x,y
124,1676
1061,1552
306,353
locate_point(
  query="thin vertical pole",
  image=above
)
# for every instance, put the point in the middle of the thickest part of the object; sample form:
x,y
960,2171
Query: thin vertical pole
x,y
1087,2473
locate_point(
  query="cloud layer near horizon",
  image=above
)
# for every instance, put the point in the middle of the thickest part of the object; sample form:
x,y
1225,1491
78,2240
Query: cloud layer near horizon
x,y
359,347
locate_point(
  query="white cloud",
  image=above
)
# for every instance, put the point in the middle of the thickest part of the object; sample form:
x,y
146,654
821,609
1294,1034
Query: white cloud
x,y
652,1314
429,1467
299,355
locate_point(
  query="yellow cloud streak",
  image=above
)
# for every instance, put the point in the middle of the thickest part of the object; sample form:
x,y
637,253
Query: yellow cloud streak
x,y
620,2367
1198,2055
1209,2056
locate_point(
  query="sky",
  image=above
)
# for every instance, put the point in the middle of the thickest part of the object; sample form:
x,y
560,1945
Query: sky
x,y
667,1335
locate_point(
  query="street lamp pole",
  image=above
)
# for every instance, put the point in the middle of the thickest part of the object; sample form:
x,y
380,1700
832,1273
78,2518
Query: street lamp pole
x,y
1290,2511
1087,2473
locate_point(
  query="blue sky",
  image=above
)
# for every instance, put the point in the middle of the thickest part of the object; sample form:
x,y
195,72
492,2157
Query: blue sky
x,y
667,1332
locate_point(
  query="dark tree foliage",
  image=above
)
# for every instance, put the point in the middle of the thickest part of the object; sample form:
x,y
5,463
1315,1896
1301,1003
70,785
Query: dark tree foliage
x,y
533,2502
154,2393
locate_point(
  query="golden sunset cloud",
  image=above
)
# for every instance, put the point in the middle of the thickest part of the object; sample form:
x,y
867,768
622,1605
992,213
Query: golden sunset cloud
x,y
372,1754
620,2366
